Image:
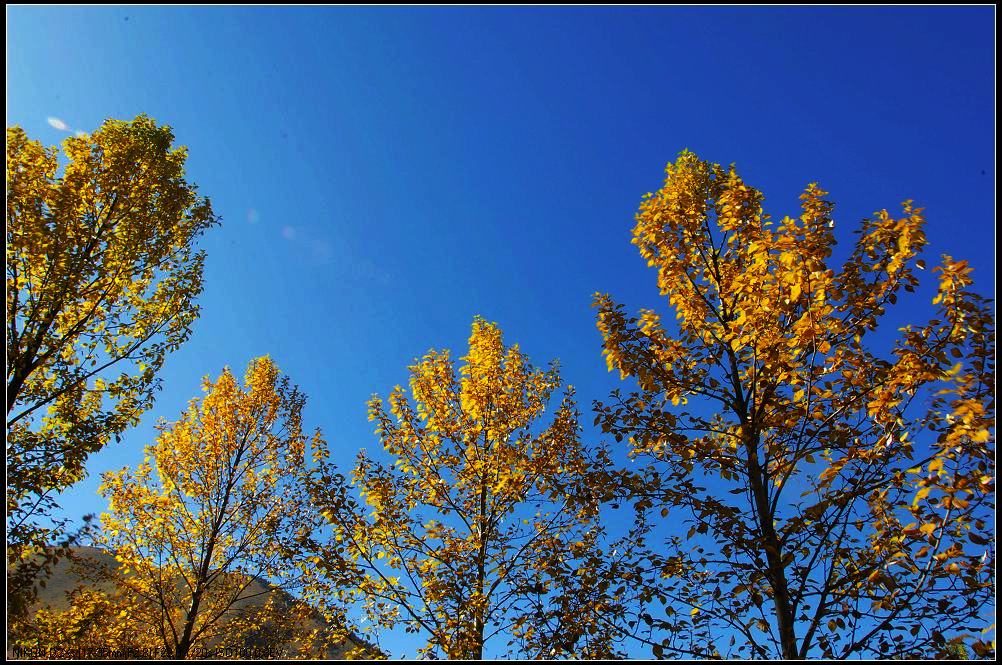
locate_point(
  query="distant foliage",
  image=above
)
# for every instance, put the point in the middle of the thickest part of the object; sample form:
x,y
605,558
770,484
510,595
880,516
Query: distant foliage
x,y
840,500
94,624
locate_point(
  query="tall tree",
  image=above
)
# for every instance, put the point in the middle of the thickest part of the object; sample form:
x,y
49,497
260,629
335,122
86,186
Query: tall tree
x,y
218,514
483,511
101,279
838,479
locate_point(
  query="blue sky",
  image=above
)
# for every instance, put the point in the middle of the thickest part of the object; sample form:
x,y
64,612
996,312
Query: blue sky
x,y
386,173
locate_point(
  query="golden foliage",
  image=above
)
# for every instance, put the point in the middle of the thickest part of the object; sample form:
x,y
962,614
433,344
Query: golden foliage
x,y
94,625
845,485
101,280
477,521
217,514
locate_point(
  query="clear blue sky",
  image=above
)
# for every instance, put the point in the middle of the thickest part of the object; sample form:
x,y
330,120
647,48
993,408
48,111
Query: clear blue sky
x,y
386,173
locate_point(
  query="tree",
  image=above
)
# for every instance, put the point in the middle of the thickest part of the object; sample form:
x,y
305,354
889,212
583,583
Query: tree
x,y
478,520
840,498
101,279
218,514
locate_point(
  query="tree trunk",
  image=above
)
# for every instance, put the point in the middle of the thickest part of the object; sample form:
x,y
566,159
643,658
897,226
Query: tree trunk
x,y
776,571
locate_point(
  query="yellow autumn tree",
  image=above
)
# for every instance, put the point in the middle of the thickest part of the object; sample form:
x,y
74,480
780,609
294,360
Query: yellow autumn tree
x,y
474,527
836,476
217,519
102,273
